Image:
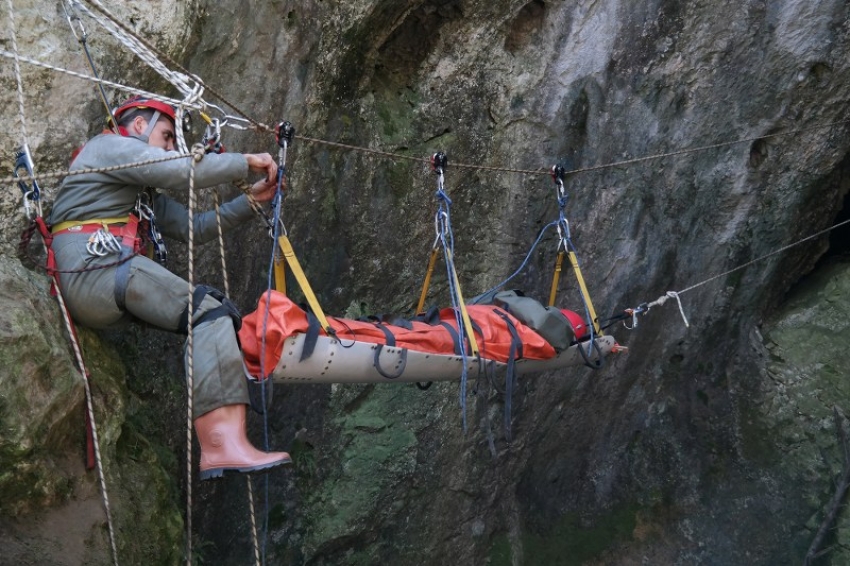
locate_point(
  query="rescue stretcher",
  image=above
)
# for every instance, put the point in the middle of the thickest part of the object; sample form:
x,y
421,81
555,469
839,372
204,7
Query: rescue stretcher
x,y
298,351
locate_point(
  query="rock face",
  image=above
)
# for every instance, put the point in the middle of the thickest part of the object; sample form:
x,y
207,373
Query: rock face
x,y
714,443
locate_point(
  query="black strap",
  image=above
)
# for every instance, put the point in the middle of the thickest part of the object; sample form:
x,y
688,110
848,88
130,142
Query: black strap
x,y
514,354
388,335
391,342
122,277
600,360
311,338
226,308
455,337
377,362
431,316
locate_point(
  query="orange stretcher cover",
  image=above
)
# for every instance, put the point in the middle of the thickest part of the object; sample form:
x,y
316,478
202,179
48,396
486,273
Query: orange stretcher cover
x,y
286,319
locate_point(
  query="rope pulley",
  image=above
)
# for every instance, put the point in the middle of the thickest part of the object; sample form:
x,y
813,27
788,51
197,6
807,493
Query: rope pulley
x,y
284,132
439,161
558,172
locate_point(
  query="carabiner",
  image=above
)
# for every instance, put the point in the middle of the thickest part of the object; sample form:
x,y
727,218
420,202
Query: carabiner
x,y
102,243
73,16
31,192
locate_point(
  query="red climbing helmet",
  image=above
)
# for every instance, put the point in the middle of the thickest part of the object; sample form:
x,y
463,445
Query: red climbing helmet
x,y
577,322
141,103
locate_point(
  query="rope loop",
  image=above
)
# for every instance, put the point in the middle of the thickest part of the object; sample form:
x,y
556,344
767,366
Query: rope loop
x,y
675,295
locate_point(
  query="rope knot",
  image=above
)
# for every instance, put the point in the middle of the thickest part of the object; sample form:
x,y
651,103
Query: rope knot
x,y
198,152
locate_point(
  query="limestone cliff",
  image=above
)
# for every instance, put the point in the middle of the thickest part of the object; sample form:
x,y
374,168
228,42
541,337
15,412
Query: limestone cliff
x,y
712,444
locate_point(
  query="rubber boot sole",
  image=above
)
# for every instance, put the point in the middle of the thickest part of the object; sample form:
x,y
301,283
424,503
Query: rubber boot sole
x,y
215,473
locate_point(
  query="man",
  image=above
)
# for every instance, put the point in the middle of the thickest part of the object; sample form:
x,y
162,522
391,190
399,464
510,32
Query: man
x,y
106,281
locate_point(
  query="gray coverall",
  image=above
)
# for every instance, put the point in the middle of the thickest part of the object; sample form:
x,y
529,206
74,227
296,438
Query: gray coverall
x,y
148,291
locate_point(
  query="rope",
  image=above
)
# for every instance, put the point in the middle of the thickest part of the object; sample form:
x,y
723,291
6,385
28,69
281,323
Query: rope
x,y
254,539
66,173
78,354
197,155
259,126
226,281
69,326
217,201
524,261
97,80
675,294
132,41
19,81
443,225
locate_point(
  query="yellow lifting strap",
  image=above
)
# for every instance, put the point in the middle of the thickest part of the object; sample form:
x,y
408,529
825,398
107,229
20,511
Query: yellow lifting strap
x,y
420,308
556,277
467,322
279,274
584,293
289,256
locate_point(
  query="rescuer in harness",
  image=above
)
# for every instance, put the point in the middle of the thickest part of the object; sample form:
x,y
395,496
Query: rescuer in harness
x,y
95,222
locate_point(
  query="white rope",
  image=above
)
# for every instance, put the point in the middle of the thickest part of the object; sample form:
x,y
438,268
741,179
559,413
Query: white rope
x,y
63,308
675,294
663,299
197,155
20,87
181,82
117,86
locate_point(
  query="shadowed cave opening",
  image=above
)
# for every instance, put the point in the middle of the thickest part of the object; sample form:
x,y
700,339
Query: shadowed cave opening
x,y
839,238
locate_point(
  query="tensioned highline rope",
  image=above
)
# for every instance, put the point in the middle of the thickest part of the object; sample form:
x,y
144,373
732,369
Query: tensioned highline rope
x,y
268,129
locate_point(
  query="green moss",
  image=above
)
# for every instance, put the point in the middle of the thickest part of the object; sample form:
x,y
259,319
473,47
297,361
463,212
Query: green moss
x,y
571,543
500,552
277,517
377,451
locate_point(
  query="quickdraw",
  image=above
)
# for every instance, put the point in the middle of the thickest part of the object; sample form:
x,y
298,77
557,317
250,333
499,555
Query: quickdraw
x,y
212,135
31,192
144,211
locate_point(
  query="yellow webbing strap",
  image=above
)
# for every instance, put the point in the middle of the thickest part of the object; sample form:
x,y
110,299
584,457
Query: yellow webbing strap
x,y
584,293
420,308
467,323
556,277
280,274
289,256
74,223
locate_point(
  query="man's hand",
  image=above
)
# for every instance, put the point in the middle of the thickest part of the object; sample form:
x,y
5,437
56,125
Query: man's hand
x,y
262,163
263,190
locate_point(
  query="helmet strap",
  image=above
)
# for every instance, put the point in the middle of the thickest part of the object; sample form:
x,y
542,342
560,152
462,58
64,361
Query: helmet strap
x,y
146,136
